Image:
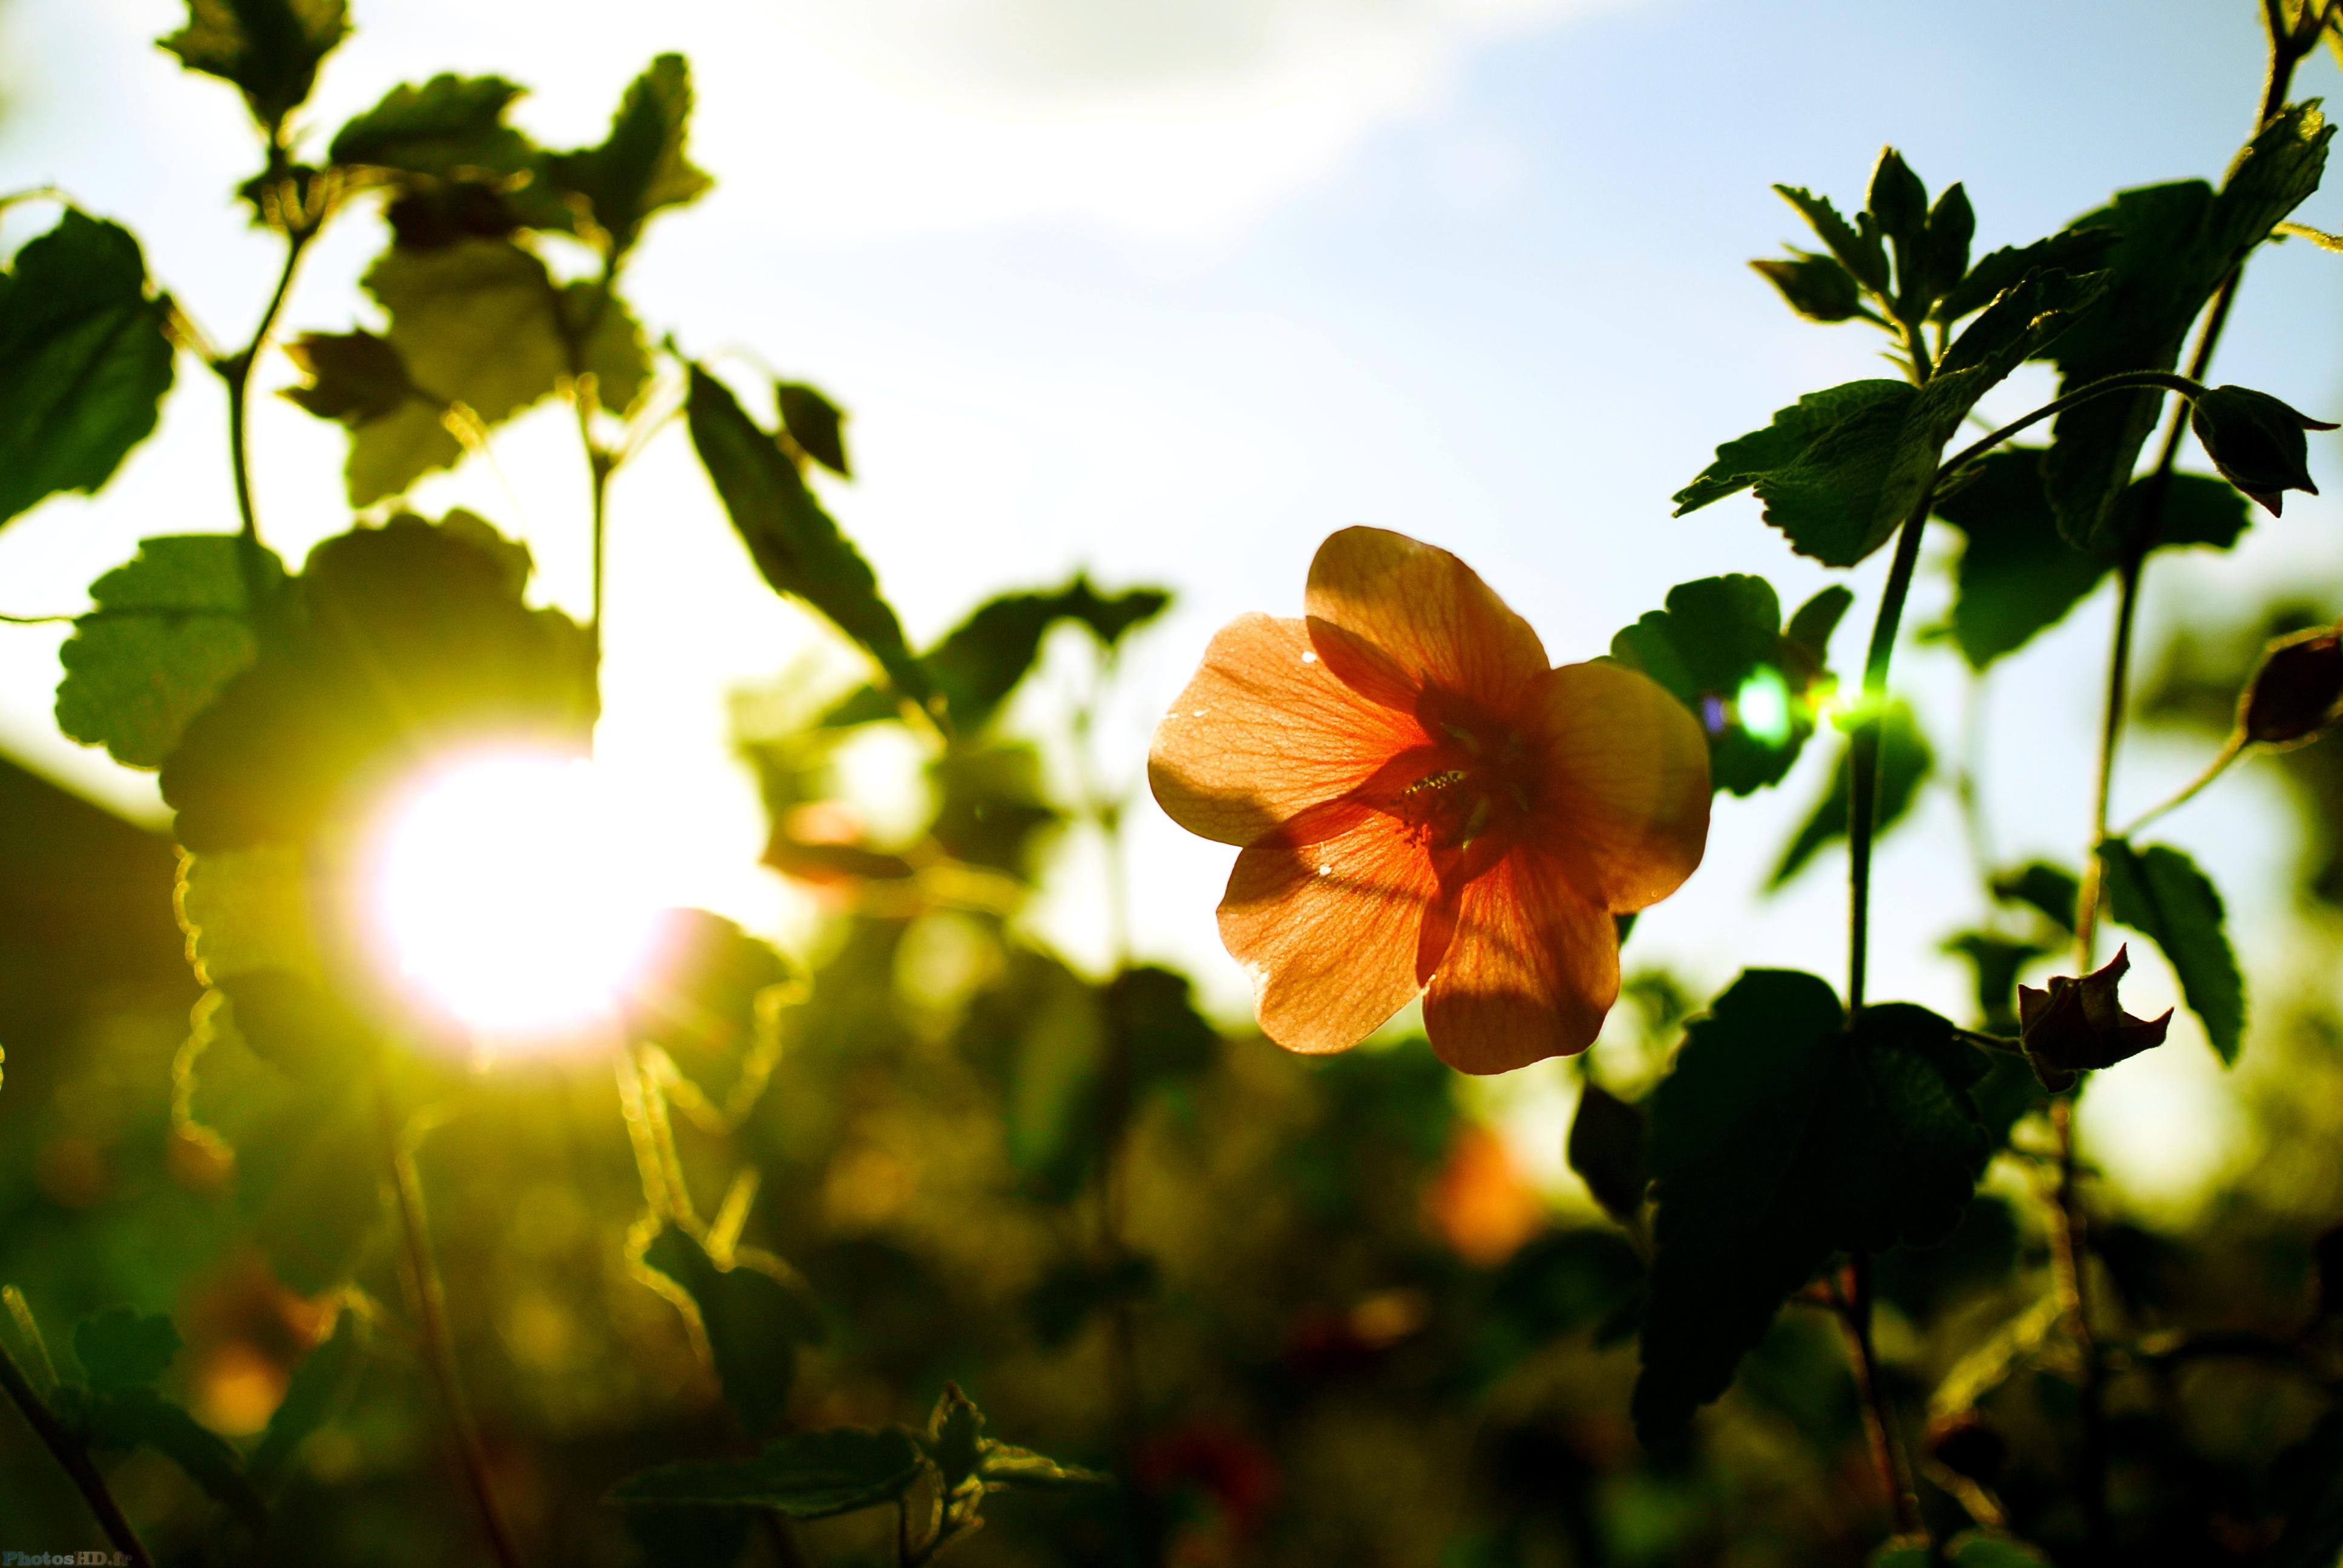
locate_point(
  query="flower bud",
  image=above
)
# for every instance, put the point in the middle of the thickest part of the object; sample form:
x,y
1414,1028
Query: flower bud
x,y
2256,442
2297,691
2078,1024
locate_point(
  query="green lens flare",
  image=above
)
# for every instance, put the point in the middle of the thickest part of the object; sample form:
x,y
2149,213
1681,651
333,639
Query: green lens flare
x,y
1762,707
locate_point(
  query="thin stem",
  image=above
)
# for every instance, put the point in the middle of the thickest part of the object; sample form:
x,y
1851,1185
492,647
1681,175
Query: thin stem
x,y
2122,381
1878,1415
429,1293
72,1456
2070,1276
2231,749
236,371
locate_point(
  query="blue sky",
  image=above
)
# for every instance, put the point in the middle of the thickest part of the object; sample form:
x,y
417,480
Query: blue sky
x,y
1170,290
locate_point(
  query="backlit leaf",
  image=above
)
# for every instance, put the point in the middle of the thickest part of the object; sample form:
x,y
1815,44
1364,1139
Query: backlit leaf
x,y
641,168
806,1475
449,127
2159,893
815,424
2174,243
1606,1149
354,376
755,1312
123,1348
1779,1137
269,49
413,641
1719,649
795,543
169,628
84,360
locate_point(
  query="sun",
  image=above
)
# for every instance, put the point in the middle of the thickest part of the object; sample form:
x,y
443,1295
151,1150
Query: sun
x,y
504,893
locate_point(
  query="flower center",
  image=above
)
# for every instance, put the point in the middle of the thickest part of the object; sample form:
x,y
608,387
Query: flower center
x,y
1475,790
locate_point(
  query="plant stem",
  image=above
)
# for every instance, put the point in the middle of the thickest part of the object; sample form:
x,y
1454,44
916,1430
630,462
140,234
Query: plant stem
x,y
429,1293
72,1456
235,370
2231,749
2121,381
1878,1415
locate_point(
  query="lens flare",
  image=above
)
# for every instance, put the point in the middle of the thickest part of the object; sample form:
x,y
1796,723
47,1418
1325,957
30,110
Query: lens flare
x,y
504,894
1762,707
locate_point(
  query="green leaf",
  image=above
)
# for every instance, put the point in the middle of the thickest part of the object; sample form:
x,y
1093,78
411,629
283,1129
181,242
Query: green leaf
x,y
755,1312
1905,762
449,127
320,1390
1005,1467
84,360
472,323
123,1348
1778,1137
1812,624
269,49
355,377
170,628
1606,1147
139,1417
2174,243
414,640
955,1436
796,545
1945,254
1816,287
2018,576
1719,649
1783,446
815,424
640,167
983,660
2159,893
1898,203
2074,250
806,1475
2053,890
1859,249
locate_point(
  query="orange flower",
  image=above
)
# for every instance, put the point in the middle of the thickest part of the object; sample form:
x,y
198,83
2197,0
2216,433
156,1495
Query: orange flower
x,y
1422,802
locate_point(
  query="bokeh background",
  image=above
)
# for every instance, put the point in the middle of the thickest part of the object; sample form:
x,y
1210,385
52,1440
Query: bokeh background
x,y
1167,292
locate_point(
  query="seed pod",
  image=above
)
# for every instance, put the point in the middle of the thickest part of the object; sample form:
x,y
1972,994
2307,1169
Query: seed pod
x,y
2256,442
2078,1024
2297,689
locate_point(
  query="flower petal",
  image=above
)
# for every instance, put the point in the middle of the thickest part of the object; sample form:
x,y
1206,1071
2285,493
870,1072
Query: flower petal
x,y
1532,970
1429,615
1328,930
1625,797
1263,732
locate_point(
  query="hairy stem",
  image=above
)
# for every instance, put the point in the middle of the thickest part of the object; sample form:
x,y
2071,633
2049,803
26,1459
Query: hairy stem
x,y
2287,45
1878,1415
2231,749
429,1293
72,1456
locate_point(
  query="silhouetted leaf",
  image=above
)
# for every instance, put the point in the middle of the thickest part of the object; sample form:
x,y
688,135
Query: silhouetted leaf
x,y
1816,287
2075,250
1944,254
354,376
450,126
2174,243
980,662
815,424
2159,893
1779,1137
1606,1147
169,628
2018,575
796,545
269,49
640,167
123,1348
1719,649
806,1475
755,1312
1817,467
1905,761
1859,245
2053,890
141,1418
319,1391
84,360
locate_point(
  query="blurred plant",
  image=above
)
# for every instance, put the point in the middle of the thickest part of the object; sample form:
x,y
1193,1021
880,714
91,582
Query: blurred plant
x,y
1285,1309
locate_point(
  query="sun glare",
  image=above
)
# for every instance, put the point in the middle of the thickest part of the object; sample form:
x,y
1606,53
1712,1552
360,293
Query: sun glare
x,y
505,895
